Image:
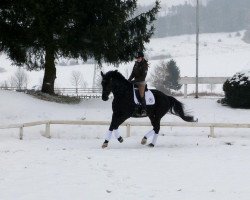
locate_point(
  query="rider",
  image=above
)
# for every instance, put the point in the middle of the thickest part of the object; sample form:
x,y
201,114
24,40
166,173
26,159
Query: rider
x,y
139,74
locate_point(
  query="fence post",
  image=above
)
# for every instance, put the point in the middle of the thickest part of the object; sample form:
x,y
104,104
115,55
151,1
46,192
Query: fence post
x,y
47,130
21,133
128,130
212,132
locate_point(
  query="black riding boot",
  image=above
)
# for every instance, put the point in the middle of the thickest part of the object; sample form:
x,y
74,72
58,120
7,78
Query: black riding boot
x,y
143,105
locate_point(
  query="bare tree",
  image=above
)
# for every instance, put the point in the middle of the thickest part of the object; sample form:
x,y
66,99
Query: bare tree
x,y
4,85
19,80
12,81
97,78
77,79
98,82
211,87
84,84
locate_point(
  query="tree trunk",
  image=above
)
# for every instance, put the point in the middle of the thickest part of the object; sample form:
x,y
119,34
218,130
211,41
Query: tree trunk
x,y
50,71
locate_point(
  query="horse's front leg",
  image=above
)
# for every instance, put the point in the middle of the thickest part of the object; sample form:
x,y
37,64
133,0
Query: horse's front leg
x,y
109,136
117,120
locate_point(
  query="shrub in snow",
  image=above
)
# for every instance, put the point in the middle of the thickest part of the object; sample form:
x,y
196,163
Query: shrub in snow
x,y
54,98
237,34
19,80
73,62
62,63
237,90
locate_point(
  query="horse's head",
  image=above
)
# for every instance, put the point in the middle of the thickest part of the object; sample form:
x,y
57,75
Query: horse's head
x,y
106,86
113,81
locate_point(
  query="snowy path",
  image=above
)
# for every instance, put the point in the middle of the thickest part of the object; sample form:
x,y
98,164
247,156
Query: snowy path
x,y
185,167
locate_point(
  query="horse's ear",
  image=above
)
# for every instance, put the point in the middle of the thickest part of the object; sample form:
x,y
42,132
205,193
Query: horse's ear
x,y
102,74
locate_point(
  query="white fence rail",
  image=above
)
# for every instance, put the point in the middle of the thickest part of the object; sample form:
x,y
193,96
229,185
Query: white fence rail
x,y
128,125
77,92
201,80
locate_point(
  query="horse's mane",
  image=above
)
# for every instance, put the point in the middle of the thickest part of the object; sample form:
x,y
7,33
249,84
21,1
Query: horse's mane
x,y
115,75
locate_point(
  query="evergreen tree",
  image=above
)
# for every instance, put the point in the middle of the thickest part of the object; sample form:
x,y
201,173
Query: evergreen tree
x,y
171,81
166,76
35,33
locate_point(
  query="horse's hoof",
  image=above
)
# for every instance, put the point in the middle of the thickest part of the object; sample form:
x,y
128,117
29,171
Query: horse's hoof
x,y
151,145
104,145
120,139
144,140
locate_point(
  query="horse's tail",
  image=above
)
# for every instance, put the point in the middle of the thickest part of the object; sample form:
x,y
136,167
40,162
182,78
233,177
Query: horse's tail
x,y
177,109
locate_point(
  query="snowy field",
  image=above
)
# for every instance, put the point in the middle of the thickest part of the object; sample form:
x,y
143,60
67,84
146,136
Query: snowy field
x,y
184,165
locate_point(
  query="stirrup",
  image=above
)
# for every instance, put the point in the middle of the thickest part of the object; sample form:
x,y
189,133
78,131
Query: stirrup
x,y
143,112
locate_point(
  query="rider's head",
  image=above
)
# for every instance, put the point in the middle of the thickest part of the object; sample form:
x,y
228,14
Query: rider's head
x,y
139,56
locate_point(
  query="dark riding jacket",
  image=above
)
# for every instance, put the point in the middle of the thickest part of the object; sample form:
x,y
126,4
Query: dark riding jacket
x,y
139,72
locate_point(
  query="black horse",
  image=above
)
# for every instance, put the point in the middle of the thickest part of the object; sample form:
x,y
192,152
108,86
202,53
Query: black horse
x,y
124,106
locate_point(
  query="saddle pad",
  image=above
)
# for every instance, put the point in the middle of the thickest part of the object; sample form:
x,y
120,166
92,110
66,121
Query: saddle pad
x,y
149,97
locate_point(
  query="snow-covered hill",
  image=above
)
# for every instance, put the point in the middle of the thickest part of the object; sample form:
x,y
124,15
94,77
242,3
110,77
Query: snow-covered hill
x,y
220,55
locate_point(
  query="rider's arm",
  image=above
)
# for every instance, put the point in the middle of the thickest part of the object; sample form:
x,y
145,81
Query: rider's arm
x,y
132,74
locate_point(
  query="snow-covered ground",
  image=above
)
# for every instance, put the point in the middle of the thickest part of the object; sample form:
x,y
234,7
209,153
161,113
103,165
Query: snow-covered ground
x,y
185,164
223,58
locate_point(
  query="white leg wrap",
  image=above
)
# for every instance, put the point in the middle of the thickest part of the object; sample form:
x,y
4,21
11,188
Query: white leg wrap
x,y
154,138
149,134
108,135
117,134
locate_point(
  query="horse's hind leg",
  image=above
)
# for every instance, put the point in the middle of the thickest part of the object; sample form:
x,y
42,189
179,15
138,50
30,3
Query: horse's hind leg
x,y
146,136
117,135
156,129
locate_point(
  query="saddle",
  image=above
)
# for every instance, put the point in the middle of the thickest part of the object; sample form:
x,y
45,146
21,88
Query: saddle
x,y
149,97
